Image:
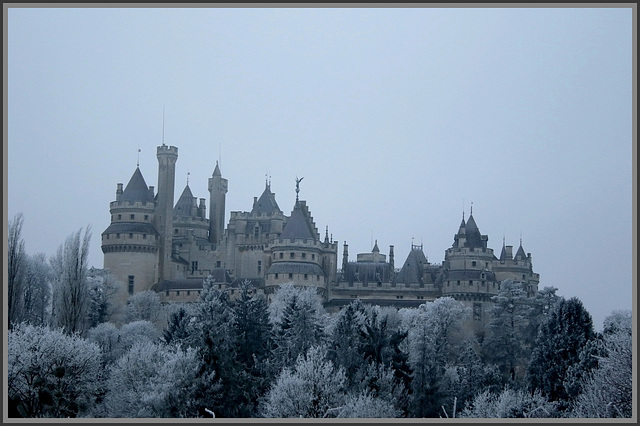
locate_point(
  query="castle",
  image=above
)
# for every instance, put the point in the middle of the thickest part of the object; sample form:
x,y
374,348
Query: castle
x,y
152,244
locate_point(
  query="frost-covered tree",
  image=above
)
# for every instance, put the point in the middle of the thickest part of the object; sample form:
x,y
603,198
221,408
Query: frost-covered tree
x,y
299,321
345,347
71,299
312,389
16,263
254,345
561,338
365,405
145,305
509,340
607,390
153,380
510,403
50,373
102,287
107,336
36,297
434,338
181,326
216,343
136,332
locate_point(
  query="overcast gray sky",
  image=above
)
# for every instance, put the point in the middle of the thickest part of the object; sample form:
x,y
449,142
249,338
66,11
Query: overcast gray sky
x,y
397,118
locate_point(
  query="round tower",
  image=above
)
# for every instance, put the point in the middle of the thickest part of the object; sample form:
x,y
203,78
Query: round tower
x,y
217,194
131,242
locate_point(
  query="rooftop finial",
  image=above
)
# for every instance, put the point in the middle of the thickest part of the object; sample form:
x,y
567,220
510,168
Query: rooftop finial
x,y
463,209
138,163
188,173
298,187
471,212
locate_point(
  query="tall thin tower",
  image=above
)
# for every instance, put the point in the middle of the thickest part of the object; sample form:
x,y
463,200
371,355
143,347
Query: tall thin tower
x,y
217,195
167,157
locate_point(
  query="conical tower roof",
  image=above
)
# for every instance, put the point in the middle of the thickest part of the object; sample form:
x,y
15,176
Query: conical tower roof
x,y
137,189
474,239
521,252
413,268
300,224
266,203
185,203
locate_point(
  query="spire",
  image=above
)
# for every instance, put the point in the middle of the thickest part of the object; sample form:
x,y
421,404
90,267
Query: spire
x,y
188,173
162,124
326,234
138,163
216,171
375,248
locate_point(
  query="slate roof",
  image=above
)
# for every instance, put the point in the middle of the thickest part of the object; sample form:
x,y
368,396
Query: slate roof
x,y
295,268
474,239
266,203
299,225
137,189
184,204
463,275
521,252
413,269
126,228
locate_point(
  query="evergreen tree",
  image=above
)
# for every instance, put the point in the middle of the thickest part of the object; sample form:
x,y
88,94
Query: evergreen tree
x,y
509,341
254,345
562,336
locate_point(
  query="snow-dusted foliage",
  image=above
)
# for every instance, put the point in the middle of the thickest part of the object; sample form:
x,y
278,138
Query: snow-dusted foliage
x,y
102,287
71,301
16,265
364,405
561,338
607,390
510,403
510,336
37,290
144,306
50,373
435,336
311,389
299,320
153,380
136,332
284,295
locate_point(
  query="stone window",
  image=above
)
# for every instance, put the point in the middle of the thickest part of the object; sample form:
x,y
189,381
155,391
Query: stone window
x,y
292,255
313,257
470,283
131,280
304,255
133,216
276,276
119,217
306,277
473,263
146,217
290,275
130,235
259,266
281,255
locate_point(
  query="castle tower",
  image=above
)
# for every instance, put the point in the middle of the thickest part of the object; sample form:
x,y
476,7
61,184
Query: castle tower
x,y
217,190
167,157
298,256
130,244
